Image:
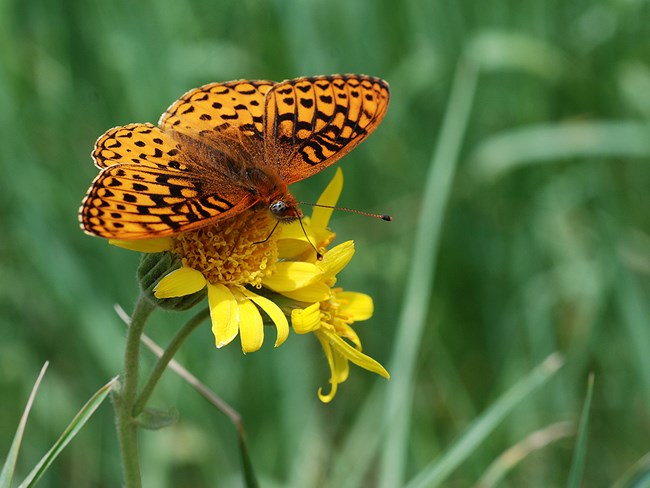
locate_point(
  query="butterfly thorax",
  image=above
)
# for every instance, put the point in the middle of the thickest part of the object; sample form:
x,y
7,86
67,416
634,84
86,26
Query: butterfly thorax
x,y
264,185
271,191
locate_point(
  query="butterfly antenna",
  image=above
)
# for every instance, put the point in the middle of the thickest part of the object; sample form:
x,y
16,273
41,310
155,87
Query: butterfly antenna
x,y
319,256
385,217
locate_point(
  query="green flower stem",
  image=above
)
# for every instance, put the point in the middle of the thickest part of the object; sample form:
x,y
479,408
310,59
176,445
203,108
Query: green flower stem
x,y
167,356
124,401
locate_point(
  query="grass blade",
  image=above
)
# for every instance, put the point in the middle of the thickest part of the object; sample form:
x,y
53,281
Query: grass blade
x,y
351,461
69,433
9,467
511,457
421,274
580,451
438,471
636,475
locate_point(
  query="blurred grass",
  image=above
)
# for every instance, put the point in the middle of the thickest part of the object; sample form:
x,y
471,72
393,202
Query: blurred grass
x,y
580,451
544,243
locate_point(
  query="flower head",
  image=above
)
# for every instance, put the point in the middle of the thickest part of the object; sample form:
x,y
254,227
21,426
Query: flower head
x,y
331,322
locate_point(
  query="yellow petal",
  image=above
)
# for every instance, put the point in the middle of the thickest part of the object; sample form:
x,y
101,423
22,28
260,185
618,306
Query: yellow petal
x,y
322,237
293,230
320,217
289,276
347,332
357,306
354,355
251,327
306,319
273,311
337,258
341,367
180,282
224,314
293,249
316,292
327,348
145,245
330,396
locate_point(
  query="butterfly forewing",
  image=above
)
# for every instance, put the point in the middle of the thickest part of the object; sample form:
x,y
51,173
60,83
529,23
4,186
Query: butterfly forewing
x,y
221,111
310,123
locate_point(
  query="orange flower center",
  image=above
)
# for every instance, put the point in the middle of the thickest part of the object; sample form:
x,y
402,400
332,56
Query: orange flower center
x,y
236,251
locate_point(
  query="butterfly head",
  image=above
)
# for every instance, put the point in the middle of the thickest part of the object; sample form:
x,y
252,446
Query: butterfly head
x,y
285,208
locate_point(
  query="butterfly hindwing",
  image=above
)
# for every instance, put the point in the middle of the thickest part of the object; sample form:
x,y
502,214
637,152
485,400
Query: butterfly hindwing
x,y
310,123
143,144
155,189
129,201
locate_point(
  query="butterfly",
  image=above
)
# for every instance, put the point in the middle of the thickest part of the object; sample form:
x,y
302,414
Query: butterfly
x,y
224,148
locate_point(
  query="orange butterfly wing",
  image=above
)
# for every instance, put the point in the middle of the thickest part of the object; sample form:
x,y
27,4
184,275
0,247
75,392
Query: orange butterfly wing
x,y
142,144
153,184
310,123
225,115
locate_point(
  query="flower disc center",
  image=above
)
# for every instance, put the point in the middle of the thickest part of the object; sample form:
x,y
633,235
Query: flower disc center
x,y
235,251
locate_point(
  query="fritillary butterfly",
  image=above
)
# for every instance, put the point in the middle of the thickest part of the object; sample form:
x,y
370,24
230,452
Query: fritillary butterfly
x,y
226,147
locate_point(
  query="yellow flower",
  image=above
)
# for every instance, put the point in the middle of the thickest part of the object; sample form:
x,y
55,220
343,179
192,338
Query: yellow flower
x,y
331,321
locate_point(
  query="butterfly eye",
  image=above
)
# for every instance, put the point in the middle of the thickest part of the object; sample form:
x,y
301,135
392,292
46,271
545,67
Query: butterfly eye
x,y
278,208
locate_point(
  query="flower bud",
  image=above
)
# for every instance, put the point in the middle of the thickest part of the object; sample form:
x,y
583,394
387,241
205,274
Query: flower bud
x,y
153,267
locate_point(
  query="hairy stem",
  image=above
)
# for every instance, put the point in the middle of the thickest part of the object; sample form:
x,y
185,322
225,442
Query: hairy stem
x,y
167,356
124,401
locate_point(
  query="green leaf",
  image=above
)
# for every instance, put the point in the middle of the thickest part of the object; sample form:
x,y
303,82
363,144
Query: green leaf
x,y
155,419
9,467
580,451
69,433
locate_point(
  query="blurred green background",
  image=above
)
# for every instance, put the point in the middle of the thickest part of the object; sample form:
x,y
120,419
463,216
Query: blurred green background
x,y
531,237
